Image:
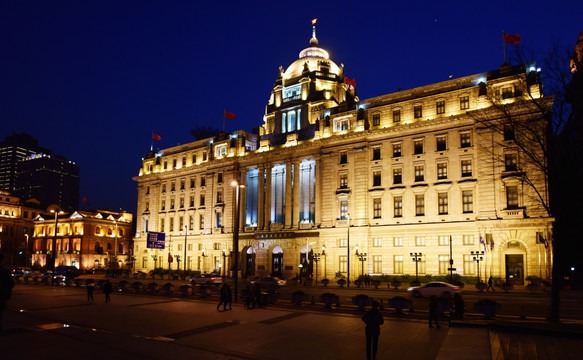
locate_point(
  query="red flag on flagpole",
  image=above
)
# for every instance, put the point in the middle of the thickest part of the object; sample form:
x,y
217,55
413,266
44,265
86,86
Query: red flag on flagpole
x,y
156,136
511,39
314,21
229,115
350,82
86,201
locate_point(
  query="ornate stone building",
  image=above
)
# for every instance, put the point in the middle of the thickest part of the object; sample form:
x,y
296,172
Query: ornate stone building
x,y
331,177
85,239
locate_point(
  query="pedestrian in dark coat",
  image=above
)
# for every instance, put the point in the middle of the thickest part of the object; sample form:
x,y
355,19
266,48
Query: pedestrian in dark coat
x,y
229,300
459,306
6,285
90,288
373,320
223,297
433,314
107,290
490,284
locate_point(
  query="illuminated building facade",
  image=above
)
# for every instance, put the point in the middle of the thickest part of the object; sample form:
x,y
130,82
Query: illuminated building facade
x,y
328,173
16,227
85,239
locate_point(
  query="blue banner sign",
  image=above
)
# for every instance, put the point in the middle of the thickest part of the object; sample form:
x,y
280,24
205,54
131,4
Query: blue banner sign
x,y
156,240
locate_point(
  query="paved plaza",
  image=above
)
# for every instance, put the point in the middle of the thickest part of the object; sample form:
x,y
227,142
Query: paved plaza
x,y
58,322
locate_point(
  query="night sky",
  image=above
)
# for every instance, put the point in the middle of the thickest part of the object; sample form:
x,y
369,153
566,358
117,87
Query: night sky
x,y
92,79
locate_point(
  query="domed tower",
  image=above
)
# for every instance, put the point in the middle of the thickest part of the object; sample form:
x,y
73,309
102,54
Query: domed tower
x,y
303,91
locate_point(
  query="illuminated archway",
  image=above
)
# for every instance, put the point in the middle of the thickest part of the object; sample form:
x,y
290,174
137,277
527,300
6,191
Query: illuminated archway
x,y
277,261
306,260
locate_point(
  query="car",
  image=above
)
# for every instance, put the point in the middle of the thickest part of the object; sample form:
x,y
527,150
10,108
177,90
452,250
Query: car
x,y
269,282
207,279
67,271
17,272
437,288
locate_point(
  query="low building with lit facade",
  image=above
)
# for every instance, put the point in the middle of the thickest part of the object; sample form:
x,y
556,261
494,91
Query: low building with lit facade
x,y
85,239
16,228
331,177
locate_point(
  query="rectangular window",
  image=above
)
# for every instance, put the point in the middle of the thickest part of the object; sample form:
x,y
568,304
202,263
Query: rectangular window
x,y
343,181
219,217
442,203
510,162
468,240
163,188
201,200
376,153
443,240
441,143
443,264
398,206
507,92
464,102
419,205
376,119
344,210
173,186
397,150
181,203
512,197
201,222
417,111
398,264
377,242
441,171
466,168
465,140
508,133
377,208
342,261
469,267
171,204
343,242
162,225
419,173
193,159
419,240
202,181
191,222
219,196
467,201
396,116
397,176
163,205
171,224
220,177
204,156
192,182
181,223
182,182
376,178
418,147
377,264
191,202
343,157
398,241
440,107
341,125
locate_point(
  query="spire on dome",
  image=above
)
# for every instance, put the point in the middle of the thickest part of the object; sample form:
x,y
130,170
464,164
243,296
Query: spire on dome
x,y
314,40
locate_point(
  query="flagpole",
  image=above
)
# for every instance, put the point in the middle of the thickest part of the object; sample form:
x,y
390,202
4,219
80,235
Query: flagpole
x,y
152,142
504,46
224,119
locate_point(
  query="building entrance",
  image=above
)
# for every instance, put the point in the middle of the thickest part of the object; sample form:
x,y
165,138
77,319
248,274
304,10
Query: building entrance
x,y
515,269
277,262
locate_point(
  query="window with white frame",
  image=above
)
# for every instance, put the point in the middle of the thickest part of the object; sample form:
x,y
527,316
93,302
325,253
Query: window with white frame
x,y
465,139
443,240
343,242
512,197
220,150
397,176
343,181
341,124
397,241
377,242
469,267
468,239
467,201
343,210
398,264
466,168
419,240
419,204
442,171
398,206
443,264
377,264
377,208
342,262
442,203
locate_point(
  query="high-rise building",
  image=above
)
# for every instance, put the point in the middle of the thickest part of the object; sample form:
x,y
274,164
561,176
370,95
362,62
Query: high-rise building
x,y
13,149
363,186
50,180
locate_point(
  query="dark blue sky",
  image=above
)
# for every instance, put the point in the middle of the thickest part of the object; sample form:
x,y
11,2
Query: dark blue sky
x,y
92,79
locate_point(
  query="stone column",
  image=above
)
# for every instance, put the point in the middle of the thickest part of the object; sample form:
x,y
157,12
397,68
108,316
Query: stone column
x,y
317,196
267,207
261,198
296,195
288,195
243,200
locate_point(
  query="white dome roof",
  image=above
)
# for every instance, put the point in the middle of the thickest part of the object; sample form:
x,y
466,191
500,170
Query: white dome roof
x,y
313,56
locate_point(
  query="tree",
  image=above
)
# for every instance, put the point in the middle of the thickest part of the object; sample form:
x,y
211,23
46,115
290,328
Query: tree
x,y
525,127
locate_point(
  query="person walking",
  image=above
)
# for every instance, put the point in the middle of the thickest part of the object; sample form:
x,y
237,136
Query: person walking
x,y
6,285
433,311
373,320
107,290
490,284
90,289
223,297
229,300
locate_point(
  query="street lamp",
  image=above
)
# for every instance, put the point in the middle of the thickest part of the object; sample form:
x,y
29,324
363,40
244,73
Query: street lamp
x,y
362,259
185,239
325,256
56,210
238,188
224,263
416,257
316,259
477,257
